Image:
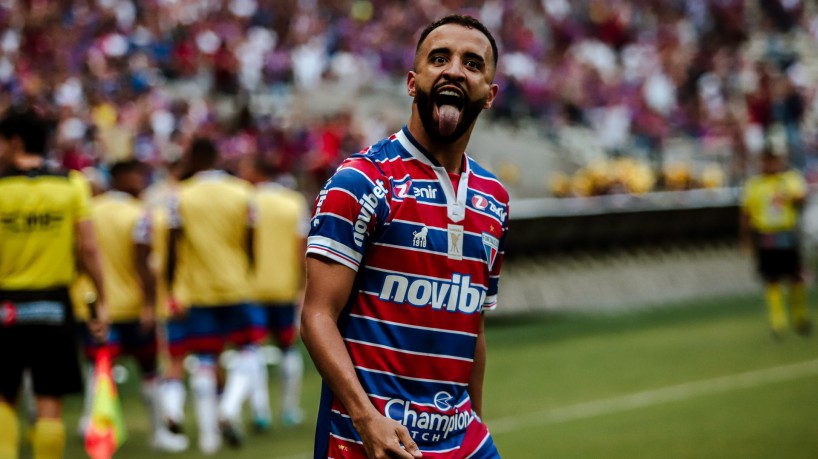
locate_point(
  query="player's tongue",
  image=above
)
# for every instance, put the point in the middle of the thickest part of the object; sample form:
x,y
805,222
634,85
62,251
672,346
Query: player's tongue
x,y
448,116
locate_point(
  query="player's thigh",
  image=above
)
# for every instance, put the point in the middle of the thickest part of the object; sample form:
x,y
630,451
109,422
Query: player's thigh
x,y
244,324
140,344
206,329
281,323
55,369
11,369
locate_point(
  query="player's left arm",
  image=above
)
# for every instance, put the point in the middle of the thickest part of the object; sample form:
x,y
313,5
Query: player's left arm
x,y
478,370
799,190
250,235
88,254
142,239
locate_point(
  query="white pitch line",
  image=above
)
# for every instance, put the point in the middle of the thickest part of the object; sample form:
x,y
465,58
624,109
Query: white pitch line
x,y
648,398
654,397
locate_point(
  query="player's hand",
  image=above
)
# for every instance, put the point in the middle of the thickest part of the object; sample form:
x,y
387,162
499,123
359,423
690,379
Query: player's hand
x,y
175,308
385,438
98,325
147,319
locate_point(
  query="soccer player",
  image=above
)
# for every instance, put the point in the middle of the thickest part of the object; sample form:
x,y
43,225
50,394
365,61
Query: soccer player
x,y
45,228
282,224
130,284
771,208
404,257
212,230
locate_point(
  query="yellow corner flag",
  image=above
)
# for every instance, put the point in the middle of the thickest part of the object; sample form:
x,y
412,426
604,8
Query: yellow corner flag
x,y
106,432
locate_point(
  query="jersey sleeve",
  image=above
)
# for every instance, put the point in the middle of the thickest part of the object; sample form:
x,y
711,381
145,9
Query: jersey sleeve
x,y
174,211
143,229
490,302
798,186
303,217
348,211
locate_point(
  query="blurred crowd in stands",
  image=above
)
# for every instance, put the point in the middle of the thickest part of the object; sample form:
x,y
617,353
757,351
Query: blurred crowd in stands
x,y
730,75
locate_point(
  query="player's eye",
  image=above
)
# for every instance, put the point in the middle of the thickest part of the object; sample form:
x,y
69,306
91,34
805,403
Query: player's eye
x,y
438,60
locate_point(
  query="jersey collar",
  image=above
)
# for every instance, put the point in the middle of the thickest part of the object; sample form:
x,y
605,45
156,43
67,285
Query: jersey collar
x,y
455,204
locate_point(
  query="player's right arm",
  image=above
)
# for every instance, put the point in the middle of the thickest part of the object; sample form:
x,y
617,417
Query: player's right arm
x,y
174,234
88,255
745,218
142,240
328,287
334,253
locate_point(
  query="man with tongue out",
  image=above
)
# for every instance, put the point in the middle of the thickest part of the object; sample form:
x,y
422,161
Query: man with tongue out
x,y
403,259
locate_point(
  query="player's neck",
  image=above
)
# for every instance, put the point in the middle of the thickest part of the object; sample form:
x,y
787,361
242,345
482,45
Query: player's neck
x,y
26,161
449,155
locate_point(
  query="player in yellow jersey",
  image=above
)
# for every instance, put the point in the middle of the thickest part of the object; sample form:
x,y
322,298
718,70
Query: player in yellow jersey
x,y
771,208
282,225
130,284
45,229
211,237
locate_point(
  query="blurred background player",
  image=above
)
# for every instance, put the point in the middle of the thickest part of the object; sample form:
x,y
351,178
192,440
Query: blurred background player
x,y
125,245
45,229
211,229
771,208
282,225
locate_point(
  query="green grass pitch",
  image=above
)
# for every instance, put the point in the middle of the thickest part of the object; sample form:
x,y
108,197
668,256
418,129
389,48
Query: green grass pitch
x,y
695,380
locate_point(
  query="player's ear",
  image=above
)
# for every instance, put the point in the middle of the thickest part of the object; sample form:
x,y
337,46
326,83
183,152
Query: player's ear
x,y
410,83
492,94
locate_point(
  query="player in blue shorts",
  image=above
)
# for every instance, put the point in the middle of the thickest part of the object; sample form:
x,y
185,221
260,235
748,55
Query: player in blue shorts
x,y
209,266
282,224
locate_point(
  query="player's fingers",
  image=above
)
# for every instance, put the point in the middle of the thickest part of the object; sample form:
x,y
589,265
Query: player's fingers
x,y
409,445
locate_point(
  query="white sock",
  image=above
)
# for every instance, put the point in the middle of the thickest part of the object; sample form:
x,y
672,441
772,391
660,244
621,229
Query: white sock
x,y
205,402
88,399
29,399
239,384
291,373
150,397
260,397
172,400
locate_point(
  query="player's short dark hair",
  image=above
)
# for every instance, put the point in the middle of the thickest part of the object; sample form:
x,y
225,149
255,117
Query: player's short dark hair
x,y
30,127
465,21
203,153
126,167
265,166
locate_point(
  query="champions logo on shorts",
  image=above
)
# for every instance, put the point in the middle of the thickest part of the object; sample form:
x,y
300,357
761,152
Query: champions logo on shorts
x,y
427,426
458,294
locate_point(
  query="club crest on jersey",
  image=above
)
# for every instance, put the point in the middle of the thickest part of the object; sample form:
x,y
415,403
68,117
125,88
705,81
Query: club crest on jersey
x,y
419,237
491,245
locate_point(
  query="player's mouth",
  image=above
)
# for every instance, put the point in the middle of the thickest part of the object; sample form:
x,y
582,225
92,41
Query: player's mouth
x,y
449,101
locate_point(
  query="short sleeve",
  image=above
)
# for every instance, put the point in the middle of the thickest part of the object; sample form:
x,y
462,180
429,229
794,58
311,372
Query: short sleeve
x,y
798,186
348,211
143,229
494,267
303,217
174,212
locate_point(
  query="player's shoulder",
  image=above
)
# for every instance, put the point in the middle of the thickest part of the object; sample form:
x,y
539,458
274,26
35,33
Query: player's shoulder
x,y
485,181
793,174
368,167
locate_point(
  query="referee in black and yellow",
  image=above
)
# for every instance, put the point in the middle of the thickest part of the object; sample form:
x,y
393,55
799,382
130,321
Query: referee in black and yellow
x,y
45,234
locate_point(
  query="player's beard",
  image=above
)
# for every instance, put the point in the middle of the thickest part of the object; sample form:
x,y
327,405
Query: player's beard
x,y
428,104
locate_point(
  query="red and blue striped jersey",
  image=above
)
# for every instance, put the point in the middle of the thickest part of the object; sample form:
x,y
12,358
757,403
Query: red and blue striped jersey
x,y
427,251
